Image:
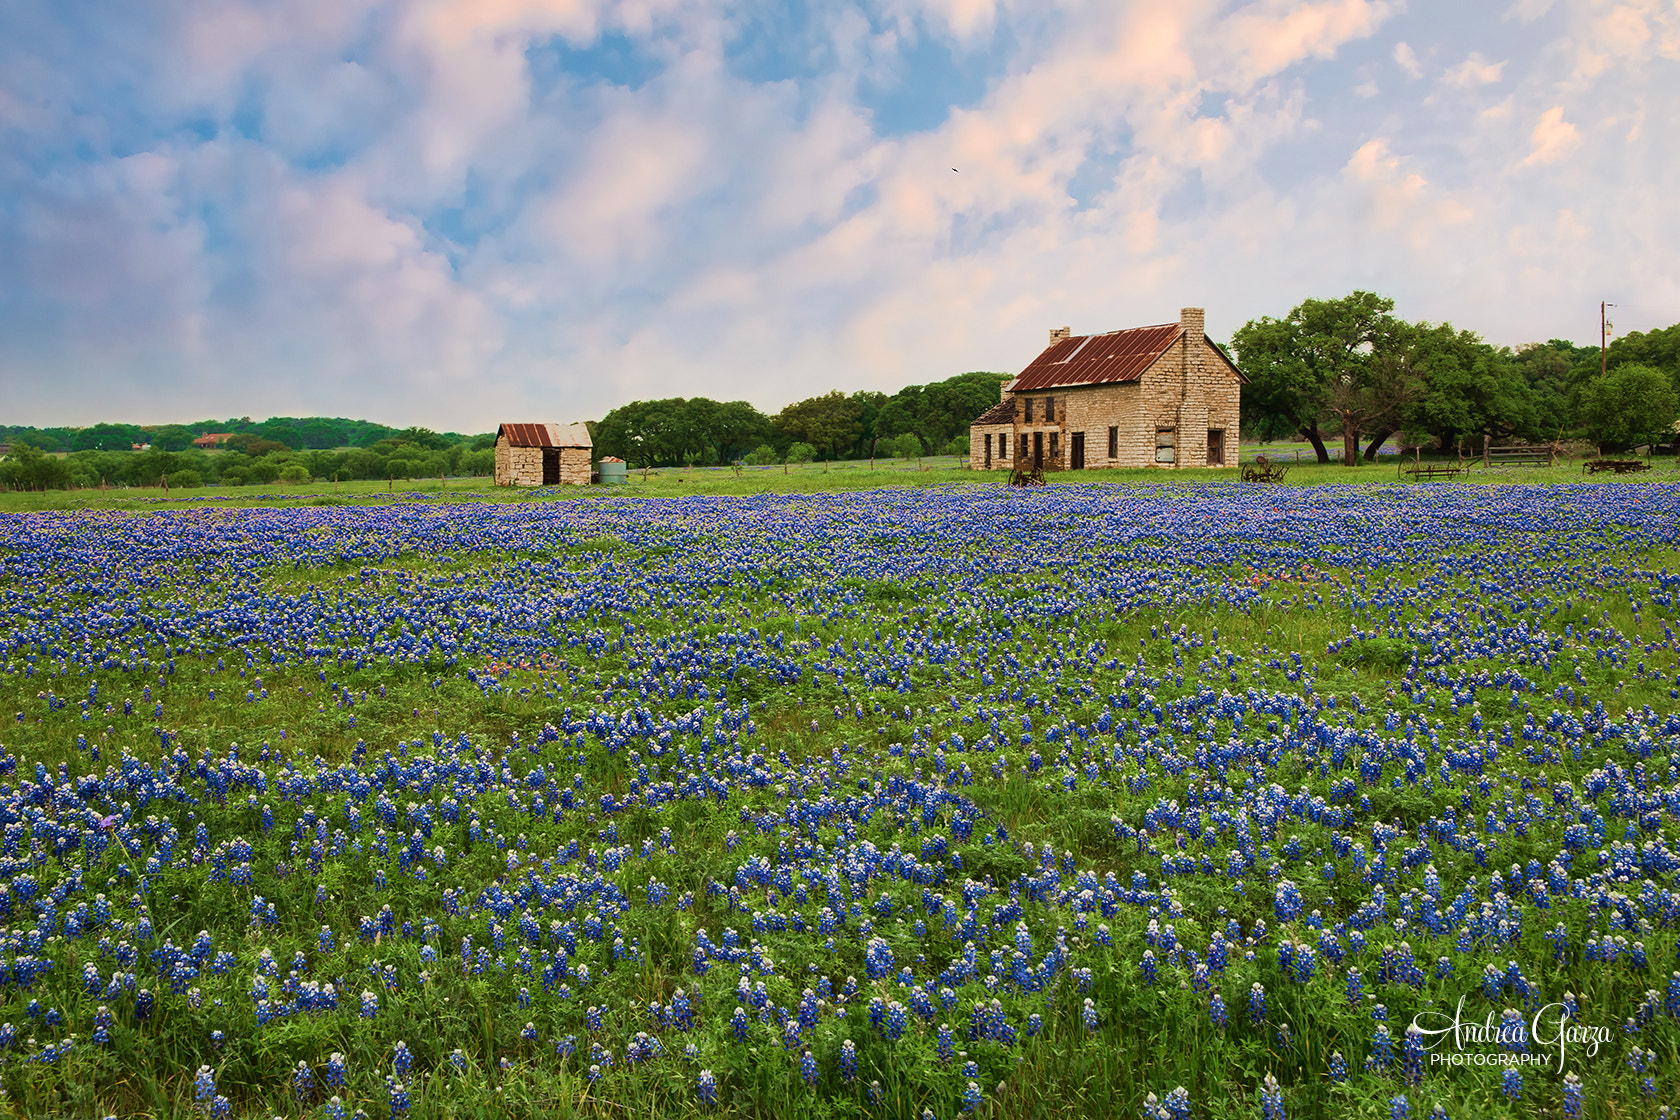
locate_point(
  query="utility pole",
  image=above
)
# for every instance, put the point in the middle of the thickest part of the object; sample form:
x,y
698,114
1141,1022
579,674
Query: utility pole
x,y
1604,328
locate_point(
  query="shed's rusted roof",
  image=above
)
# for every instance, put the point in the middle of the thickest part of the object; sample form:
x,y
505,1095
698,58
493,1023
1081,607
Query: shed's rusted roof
x,y
1001,413
545,435
1097,359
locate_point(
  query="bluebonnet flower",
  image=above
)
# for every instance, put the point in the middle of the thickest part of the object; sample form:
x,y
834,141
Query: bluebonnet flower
x,y
1382,1048
1412,1052
1513,1032
1511,1083
1286,902
1572,1095
397,1094
896,1021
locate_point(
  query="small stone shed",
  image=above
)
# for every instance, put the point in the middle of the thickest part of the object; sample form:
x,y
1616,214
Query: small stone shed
x,y
542,455
1162,396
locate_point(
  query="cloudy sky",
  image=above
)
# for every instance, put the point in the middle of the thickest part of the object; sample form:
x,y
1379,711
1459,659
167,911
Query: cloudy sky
x,y
455,212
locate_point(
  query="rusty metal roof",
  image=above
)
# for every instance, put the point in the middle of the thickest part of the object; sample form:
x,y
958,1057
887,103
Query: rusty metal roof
x,y
1097,359
545,435
1001,413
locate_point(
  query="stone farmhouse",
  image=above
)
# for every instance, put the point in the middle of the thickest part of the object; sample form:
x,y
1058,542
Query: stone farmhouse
x,y
1162,396
542,455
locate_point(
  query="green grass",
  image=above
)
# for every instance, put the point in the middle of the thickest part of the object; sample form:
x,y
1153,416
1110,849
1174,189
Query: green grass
x,y
1152,1037
840,477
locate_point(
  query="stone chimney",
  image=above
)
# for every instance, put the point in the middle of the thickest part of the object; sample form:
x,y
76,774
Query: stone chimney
x,y
1191,319
1059,333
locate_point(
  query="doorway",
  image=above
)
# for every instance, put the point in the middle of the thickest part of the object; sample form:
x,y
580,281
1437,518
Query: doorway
x,y
1216,447
1078,451
1038,451
551,466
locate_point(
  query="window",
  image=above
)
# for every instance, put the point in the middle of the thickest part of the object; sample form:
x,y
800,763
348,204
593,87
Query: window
x,y
1114,443
1055,448
1027,404
1023,445
1049,409
1164,445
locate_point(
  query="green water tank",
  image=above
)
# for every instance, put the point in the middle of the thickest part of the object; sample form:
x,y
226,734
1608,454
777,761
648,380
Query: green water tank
x,y
614,473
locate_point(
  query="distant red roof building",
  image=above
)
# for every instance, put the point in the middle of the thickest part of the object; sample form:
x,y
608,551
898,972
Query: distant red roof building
x,y
212,439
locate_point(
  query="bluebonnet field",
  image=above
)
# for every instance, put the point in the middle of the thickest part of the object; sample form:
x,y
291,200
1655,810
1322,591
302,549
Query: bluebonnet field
x,y
1158,801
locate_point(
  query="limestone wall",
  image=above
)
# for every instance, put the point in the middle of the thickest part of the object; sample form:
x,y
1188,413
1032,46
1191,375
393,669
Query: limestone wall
x,y
978,435
574,466
520,466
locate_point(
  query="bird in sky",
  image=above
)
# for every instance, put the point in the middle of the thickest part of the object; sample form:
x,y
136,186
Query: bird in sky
x,y
958,172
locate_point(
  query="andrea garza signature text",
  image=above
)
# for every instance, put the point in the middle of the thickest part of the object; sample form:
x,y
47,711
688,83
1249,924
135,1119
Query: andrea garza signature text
x,y
1550,1028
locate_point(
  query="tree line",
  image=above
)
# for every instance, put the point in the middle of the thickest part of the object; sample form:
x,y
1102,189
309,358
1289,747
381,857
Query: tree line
x,y
294,433
916,420
408,454
1350,369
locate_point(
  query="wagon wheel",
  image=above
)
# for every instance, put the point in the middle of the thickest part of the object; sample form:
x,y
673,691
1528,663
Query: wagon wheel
x,y
1024,476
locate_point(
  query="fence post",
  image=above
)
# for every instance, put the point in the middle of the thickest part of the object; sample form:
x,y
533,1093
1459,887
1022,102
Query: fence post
x,y
1485,442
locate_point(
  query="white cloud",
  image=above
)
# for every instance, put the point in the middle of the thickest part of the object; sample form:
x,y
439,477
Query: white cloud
x,y
632,172
1283,32
1553,138
1527,11
1407,60
1474,71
